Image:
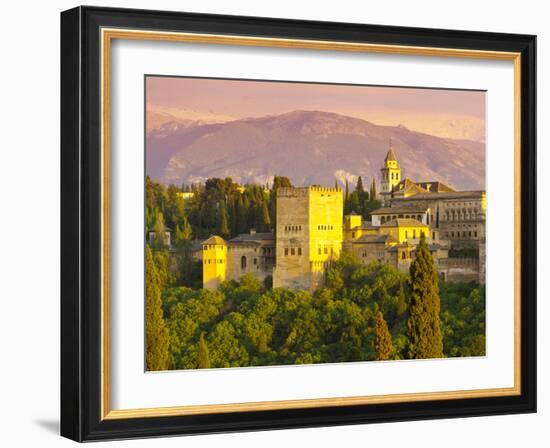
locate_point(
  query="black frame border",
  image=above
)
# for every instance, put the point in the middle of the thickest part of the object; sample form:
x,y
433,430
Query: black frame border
x,y
81,224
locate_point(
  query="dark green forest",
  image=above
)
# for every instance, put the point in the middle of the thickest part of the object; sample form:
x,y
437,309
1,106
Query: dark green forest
x,y
223,207
363,313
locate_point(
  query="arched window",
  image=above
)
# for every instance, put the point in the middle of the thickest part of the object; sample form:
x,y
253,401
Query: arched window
x,y
403,255
243,262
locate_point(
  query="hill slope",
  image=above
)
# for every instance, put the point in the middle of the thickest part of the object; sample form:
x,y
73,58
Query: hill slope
x,y
310,147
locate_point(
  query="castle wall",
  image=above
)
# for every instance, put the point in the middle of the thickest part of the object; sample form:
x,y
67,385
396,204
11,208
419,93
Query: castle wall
x,y
309,235
459,269
248,259
370,252
461,220
292,239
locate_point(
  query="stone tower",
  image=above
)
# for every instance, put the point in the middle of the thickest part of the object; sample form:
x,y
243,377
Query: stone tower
x,y
214,262
309,234
391,174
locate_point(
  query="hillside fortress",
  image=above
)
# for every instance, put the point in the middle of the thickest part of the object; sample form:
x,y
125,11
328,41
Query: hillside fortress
x,y
311,232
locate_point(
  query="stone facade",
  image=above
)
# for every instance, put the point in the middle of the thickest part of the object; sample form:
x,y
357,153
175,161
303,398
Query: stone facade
x,y
252,253
309,233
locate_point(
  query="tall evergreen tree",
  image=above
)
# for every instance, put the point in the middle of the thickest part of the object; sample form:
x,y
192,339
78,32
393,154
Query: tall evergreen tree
x,y
401,301
354,203
383,346
359,187
346,198
203,358
266,220
156,331
223,221
240,212
183,232
159,239
281,181
423,323
373,192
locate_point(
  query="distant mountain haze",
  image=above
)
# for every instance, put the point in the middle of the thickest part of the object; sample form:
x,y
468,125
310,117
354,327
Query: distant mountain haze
x,y
310,147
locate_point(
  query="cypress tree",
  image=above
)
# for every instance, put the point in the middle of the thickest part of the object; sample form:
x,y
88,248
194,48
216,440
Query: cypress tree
x,y
359,187
354,203
346,198
184,232
401,301
223,226
423,323
203,359
156,332
159,240
373,192
239,215
266,220
383,345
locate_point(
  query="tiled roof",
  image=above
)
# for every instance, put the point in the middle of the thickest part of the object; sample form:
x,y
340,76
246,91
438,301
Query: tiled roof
x,y
475,194
401,209
403,222
214,239
435,186
390,155
409,187
370,239
250,237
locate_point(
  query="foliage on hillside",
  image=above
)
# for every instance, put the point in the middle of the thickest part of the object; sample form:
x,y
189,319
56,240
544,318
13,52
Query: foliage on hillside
x,y
363,313
222,207
246,324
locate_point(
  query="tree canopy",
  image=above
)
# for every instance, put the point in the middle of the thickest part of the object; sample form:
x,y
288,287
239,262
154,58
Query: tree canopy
x,y
424,325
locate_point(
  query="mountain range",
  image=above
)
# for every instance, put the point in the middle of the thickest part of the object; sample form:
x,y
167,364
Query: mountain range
x,y
310,147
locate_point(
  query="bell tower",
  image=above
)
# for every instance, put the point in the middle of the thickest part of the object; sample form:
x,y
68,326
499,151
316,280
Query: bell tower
x,y
391,172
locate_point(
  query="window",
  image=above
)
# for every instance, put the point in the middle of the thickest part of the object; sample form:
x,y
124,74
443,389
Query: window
x,y
403,255
292,251
326,250
319,251
255,261
286,251
299,251
414,233
433,236
475,234
353,234
243,262
406,234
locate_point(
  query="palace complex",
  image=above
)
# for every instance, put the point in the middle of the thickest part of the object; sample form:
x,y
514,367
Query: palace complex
x,y
312,231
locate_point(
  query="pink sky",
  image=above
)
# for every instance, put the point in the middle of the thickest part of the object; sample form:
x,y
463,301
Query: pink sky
x,y
434,111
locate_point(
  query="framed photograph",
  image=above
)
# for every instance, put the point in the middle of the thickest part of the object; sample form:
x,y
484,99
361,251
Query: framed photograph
x,y
276,224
